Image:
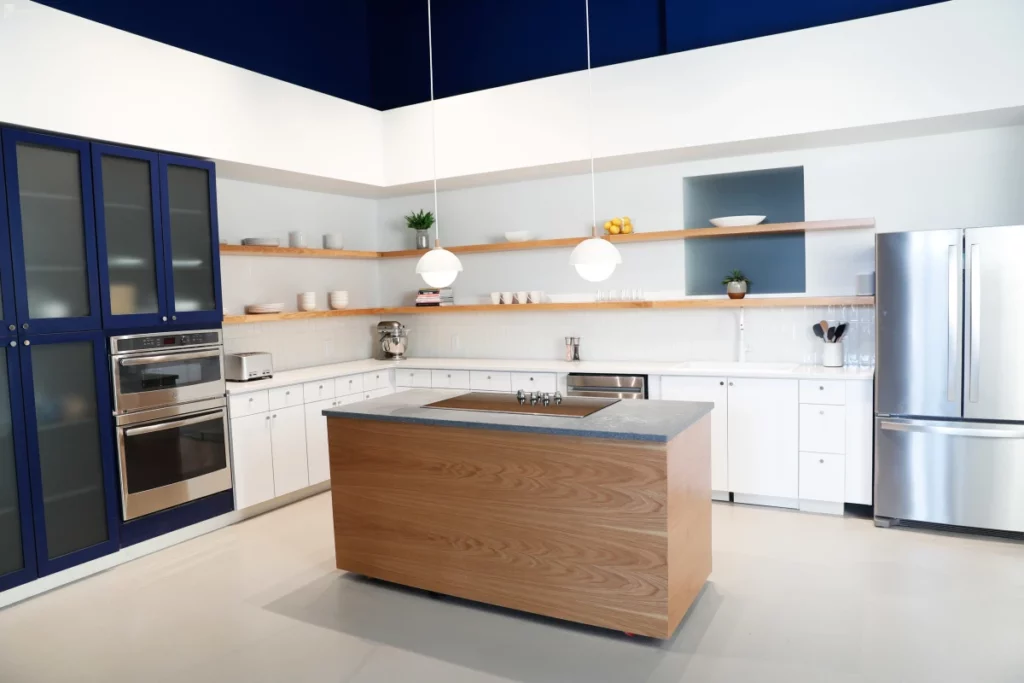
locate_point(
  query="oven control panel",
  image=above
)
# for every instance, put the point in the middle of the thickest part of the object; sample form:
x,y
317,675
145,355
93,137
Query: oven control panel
x,y
158,341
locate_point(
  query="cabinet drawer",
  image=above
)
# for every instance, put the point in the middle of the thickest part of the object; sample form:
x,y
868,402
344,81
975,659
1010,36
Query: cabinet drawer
x,y
286,397
484,380
822,477
240,405
412,378
349,384
317,391
534,381
830,392
378,379
377,393
449,379
822,428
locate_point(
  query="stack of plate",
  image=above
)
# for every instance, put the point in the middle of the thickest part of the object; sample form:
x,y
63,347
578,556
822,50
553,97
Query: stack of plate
x,y
337,300
261,242
253,309
307,301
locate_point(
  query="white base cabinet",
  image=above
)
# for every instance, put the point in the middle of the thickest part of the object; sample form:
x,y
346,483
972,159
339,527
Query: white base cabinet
x,y
288,446
707,390
763,437
251,459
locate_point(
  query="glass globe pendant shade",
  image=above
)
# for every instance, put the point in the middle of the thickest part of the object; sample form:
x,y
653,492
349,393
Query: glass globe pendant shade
x,y
595,259
439,267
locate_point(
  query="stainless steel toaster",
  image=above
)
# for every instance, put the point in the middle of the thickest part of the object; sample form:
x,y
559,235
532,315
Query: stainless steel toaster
x,y
242,367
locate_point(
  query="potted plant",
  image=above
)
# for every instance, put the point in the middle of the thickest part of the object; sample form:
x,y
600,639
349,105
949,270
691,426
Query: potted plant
x,y
421,222
736,284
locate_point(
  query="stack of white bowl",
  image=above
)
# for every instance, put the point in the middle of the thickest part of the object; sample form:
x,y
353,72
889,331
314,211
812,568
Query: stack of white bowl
x,y
307,301
337,300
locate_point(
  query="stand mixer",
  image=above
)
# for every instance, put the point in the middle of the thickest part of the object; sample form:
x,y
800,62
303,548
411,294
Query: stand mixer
x,y
393,339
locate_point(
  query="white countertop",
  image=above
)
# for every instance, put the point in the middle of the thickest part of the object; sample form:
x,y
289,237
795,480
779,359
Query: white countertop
x,y
625,367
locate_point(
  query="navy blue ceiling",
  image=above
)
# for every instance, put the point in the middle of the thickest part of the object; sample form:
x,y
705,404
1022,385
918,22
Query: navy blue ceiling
x,y
374,52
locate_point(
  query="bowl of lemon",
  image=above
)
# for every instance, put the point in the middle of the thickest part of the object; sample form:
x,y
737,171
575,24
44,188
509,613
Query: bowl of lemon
x,y
619,226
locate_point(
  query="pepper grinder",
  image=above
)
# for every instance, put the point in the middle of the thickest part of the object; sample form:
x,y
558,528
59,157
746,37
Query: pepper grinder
x,y
575,349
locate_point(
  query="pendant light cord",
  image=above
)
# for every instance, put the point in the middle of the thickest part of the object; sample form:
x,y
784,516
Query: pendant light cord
x,y
433,120
590,126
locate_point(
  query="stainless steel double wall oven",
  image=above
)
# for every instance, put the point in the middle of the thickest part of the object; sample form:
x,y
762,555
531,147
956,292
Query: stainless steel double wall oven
x,y
170,416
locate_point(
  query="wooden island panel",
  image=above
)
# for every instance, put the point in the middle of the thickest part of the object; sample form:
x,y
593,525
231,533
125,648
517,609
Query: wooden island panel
x,y
612,533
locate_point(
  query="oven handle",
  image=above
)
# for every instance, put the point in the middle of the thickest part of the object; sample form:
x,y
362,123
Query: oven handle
x,y
164,426
149,360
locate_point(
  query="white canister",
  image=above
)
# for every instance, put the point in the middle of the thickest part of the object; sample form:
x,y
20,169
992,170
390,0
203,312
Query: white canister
x,y
297,238
833,355
330,241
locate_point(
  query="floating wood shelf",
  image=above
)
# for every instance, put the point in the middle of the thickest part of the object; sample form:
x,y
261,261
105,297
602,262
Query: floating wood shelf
x,y
563,242
754,302
295,252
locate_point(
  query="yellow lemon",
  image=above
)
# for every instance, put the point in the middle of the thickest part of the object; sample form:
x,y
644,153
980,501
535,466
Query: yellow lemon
x,y
608,225
625,220
627,229
615,230
617,221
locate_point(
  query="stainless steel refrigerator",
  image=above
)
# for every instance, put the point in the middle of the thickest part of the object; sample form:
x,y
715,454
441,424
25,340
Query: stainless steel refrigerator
x,y
949,378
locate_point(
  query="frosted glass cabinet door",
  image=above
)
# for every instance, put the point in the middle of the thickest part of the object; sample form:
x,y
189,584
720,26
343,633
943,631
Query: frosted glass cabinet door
x,y
17,559
70,445
129,236
188,197
49,193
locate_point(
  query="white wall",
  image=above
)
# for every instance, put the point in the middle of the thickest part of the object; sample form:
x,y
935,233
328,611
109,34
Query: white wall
x,y
941,181
305,343
66,74
949,59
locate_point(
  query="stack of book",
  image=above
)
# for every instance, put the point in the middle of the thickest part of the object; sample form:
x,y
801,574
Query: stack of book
x,y
435,297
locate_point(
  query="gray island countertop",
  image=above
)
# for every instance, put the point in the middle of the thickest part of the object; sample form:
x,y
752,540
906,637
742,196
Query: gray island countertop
x,y
632,420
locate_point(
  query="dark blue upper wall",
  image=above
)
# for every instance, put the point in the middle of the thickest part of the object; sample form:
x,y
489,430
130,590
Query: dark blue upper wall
x,y
323,45
374,52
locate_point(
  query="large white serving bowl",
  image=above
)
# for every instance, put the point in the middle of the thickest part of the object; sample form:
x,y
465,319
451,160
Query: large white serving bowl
x,y
736,221
517,236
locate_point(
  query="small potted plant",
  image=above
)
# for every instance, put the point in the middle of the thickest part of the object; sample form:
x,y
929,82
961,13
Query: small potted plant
x,y
736,284
421,222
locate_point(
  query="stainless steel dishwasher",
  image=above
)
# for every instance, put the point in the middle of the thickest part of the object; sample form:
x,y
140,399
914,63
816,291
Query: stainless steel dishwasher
x,y
607,386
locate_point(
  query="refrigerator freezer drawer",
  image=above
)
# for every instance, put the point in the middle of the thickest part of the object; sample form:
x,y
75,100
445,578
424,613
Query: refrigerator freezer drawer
x,y
959,473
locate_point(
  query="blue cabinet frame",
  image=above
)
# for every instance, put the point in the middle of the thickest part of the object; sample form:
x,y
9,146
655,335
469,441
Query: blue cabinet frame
x,y
216,316
11,139
44,563
162,262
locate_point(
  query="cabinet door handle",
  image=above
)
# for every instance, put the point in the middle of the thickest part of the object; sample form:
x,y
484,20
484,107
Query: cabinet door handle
x,y
821,388
821,412
721,384
28,343
251,399
822,461
14,343
12,328
274,416
287,393
24,326
730,384
164,318
449,376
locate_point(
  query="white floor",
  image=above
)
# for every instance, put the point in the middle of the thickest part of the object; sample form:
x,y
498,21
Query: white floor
x,y
794,597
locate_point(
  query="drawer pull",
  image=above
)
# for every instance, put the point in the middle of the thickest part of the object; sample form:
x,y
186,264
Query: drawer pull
x,y
822,461
251,399
287,393
721,384
821,388
821,412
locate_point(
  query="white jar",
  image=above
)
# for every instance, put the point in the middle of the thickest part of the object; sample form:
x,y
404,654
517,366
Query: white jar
x,y
833,355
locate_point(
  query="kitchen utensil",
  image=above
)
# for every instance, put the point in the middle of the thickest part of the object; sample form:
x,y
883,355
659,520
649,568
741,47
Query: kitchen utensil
x,y
736,221
261,242
816,328
495,298
333,242
517,236
824,326
522,297
840,329
568,349
264,308
296,239
831,334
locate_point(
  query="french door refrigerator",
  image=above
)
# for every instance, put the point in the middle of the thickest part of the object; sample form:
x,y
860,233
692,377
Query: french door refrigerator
x,y
949,378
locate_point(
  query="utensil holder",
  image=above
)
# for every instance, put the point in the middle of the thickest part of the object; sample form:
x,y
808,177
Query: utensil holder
x,y
833,355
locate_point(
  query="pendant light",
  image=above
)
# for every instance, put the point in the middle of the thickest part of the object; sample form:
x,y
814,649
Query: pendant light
x,y
438,267
594,258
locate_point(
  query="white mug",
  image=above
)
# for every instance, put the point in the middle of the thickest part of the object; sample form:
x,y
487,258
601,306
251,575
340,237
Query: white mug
x,y
521,297
495,298
536,297
296,238
330,241
506,297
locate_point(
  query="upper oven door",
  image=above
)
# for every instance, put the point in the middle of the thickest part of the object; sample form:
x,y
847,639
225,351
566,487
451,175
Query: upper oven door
x,y
146,381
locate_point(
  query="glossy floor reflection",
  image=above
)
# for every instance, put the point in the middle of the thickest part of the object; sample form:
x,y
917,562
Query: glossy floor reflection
x,y
793,597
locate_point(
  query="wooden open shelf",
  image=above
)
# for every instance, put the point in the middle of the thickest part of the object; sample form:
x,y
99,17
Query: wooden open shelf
x,y
296,252
563,242
756,302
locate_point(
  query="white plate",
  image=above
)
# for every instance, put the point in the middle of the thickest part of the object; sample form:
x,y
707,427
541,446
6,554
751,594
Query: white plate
x,y
517,236
264,308
261,242
736,221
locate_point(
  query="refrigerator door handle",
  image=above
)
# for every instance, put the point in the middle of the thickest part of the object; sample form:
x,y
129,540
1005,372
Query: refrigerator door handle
x,y
974,355
974,430
953,350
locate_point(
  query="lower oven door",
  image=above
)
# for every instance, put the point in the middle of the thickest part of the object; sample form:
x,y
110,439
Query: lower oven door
x,y
173,459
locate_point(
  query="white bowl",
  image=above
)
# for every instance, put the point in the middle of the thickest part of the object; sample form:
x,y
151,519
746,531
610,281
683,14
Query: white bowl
x,y
517,236
337,305
736,221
